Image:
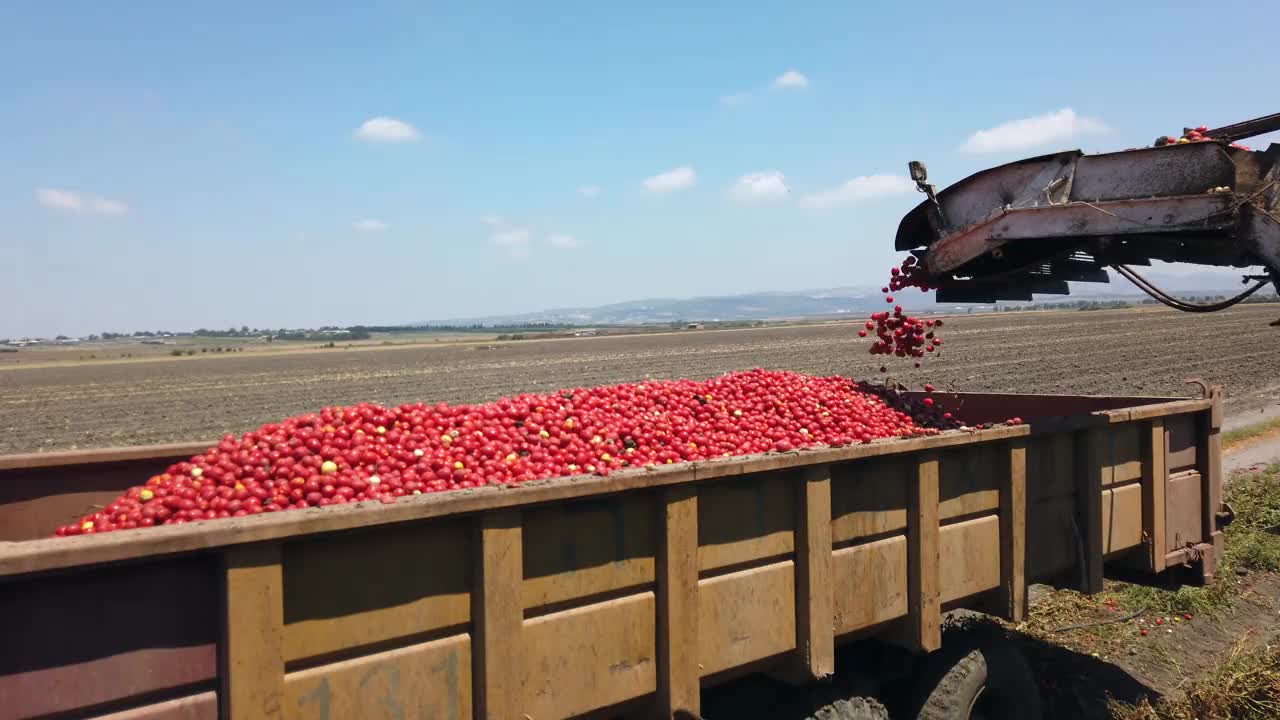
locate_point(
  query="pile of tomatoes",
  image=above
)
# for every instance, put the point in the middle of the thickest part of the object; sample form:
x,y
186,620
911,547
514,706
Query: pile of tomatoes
x,y
1191,136
899,334
368,452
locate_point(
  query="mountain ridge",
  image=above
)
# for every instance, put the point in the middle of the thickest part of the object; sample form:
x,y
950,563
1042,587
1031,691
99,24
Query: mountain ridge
x,y
851,299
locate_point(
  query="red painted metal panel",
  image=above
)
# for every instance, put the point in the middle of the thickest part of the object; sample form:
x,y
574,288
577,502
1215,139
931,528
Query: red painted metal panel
x,y
998,407
203,706
37,496
86,639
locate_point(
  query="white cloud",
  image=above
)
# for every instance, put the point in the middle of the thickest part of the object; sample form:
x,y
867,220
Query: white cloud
x,y
589,190
863,187
562,241
59,199
369,225
515,241
791,79
767,185
108,207
72,201
1031,132
387,129
515,237
491,220
677,179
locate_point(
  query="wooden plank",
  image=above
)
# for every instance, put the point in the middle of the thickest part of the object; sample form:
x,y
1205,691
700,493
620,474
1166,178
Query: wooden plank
x,y
588,657
1013,533
923,629
967,563
1126,454
815,632
1183,434
1211,471
1154,483
969,481
1121,518
1183,510
1051,467
869,583
1091,458
428,680
1055,545
201,706
497,641
678,606
352,590
586,548
868,498
252,640
745,520
1166,409
746,616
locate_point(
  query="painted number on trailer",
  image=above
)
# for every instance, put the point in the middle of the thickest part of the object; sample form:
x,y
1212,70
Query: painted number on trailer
x,y
391,698
380,685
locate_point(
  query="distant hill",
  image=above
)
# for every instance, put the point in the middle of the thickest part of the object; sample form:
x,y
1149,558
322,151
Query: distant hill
x,y
751,306
855,300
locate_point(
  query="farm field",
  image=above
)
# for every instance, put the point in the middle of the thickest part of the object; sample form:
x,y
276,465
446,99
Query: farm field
x,y
1148,351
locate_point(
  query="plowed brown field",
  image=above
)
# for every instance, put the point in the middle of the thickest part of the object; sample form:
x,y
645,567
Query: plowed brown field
x,y
1147,352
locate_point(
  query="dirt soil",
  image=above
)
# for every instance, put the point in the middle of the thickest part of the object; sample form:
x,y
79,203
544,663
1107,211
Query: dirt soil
x,y
165,399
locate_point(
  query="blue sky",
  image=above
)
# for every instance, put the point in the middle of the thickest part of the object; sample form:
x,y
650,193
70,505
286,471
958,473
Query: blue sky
x,y
173,165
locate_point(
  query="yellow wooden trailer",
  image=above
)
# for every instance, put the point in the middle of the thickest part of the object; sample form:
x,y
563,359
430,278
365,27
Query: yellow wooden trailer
x,y
619,596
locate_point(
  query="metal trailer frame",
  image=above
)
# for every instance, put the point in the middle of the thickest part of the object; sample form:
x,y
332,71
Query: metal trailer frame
x,y
618,596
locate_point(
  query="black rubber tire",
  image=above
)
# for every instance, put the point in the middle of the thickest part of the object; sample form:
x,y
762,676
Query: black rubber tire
x,y
995,674
858,708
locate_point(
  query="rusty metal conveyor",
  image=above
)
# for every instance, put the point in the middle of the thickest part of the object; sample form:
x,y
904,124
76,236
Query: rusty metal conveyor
x,y
1032,226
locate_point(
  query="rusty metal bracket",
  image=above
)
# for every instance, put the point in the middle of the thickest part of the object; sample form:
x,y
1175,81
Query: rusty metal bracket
x,y
1190,553
1208,391
1193,552
1225,515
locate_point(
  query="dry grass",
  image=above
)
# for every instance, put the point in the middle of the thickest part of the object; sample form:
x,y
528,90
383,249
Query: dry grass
x,y
1244,686
1245,683
1248,435
1249,548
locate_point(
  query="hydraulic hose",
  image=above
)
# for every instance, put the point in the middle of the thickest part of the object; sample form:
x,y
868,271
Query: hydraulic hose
x,y
1167,299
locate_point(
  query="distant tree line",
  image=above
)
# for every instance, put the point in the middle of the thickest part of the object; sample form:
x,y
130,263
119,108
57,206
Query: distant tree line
x,y
465,327
364,332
